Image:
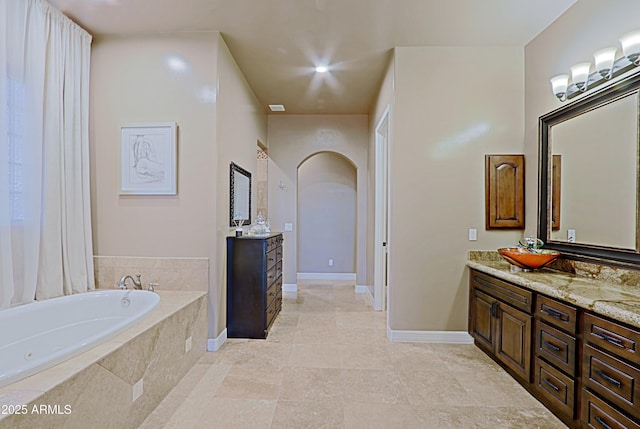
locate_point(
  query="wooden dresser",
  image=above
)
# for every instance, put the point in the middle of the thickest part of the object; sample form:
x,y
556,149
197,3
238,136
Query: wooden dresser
x,y
254,284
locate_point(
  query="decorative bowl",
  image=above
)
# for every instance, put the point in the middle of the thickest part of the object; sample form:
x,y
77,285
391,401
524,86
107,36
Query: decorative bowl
x,y
528,259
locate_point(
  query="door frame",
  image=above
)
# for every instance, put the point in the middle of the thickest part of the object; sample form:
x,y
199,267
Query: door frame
x,y
381,212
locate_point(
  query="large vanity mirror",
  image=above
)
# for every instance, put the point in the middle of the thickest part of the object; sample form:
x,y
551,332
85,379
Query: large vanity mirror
x,y
589,181
240,196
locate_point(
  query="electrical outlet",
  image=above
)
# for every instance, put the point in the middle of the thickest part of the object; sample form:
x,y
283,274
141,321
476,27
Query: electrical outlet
x,y
288,226
571,235
331,262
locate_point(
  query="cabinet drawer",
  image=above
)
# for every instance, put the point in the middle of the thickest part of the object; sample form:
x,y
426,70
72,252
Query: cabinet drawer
x,y
271,276
272,243
557,313
613,379
273,291
611,336
598,414
271,258
555,387
278,253
511,294
273,310
556,347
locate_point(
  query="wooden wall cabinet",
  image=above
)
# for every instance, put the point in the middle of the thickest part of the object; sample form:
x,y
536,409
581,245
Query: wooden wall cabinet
x,y
504,191
254,285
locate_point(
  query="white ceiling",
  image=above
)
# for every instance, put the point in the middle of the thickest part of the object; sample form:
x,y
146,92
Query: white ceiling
x,y
277,43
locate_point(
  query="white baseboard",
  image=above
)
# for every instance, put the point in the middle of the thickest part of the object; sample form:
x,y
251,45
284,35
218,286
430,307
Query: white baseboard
x,y
327,276
288,287
214,344
362,289
442,337
369,296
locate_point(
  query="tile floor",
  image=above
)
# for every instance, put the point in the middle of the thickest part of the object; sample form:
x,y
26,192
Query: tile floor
x,y
328,364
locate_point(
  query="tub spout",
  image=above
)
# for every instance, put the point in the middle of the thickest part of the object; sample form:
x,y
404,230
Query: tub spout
x,y
137,283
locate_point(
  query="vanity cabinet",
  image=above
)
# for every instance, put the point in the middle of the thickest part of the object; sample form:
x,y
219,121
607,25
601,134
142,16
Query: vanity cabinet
x,y
556,351
254,284
500,321
582,366
610,374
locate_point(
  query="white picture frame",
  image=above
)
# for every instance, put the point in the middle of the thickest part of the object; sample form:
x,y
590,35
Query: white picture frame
x,y
148,164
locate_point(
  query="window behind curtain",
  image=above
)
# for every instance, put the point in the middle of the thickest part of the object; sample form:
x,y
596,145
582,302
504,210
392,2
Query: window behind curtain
x,y
15,137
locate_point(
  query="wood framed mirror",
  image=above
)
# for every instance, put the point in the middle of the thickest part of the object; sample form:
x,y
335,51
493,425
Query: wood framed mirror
x,y
239,196
588,175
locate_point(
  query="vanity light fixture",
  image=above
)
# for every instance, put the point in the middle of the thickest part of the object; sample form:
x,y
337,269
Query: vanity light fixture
x,y
322,69
606,67
580,75
631,46
604,59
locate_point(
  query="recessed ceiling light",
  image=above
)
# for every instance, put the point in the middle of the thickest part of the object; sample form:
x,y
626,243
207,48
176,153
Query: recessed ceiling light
x,y
276,107
321,69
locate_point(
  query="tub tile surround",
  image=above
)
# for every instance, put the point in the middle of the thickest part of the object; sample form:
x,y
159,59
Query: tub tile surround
x,y
189,274
609,291
118,383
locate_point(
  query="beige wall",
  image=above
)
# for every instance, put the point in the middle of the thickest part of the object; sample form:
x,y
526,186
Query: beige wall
x,y
452,106
326,214
292,139
587,26
130,83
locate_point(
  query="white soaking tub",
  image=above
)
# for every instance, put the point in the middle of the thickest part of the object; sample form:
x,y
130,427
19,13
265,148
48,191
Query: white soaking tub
x,y
37,336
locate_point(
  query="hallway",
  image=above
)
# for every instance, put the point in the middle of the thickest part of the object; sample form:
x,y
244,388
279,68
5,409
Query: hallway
x,y
327,364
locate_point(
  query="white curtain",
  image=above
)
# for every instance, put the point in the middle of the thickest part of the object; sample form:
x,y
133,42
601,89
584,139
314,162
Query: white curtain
x,y
45,218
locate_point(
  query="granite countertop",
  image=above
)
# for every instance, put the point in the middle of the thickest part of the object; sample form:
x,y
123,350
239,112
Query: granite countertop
x,y
617,301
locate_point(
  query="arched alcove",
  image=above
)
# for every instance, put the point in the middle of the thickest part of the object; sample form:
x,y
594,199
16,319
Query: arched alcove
x,y
327,217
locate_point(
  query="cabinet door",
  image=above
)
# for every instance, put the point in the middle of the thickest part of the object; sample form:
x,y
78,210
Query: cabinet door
x,y
504,191
482,321
514,340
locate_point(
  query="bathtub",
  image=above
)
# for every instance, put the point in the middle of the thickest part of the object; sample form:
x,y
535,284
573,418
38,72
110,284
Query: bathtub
x,y
37,336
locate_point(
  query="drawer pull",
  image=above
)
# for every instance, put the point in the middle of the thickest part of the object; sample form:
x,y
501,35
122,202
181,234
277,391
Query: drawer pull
x,y
551,346
602,423
608,379
552,313
609,339
551,385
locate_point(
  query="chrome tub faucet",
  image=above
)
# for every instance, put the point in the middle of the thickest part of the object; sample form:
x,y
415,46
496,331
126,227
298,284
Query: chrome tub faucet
x,y
137,283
